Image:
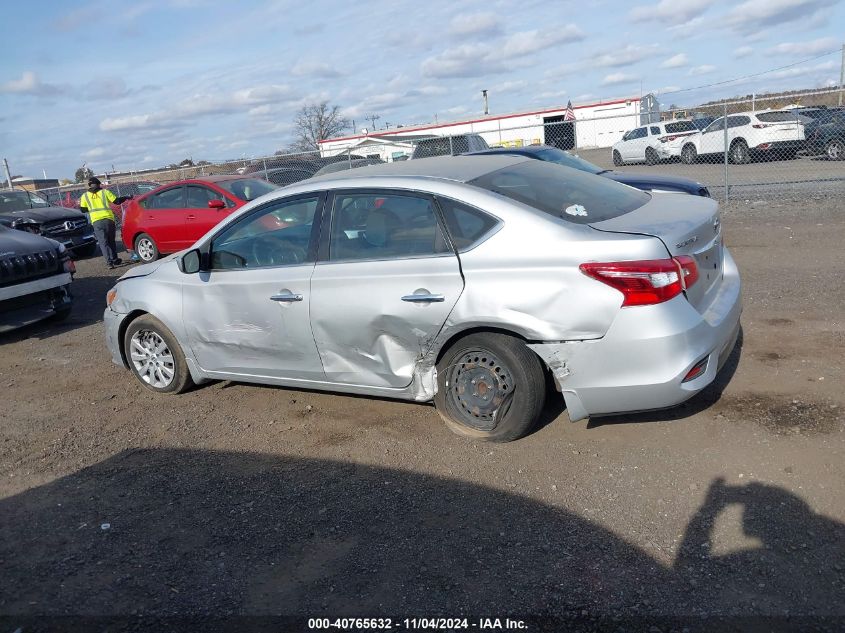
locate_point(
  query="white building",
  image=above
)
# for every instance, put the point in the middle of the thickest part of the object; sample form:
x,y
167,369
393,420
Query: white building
x,y
596,125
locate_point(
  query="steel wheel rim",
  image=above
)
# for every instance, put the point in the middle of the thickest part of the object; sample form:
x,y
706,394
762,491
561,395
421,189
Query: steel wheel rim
x,y
145,249
834,151
152,359
477,384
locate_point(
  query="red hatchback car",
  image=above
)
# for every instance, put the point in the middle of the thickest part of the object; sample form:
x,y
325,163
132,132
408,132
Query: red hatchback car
x,y
174,216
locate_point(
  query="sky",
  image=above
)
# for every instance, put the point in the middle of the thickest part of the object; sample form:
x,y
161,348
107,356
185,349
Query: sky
x,y
137,85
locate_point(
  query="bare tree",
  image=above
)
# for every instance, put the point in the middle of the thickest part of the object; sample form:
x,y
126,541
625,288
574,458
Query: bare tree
x,y
316,122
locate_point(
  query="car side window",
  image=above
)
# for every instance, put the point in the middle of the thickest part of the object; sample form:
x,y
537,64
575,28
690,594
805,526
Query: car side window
x,y
167,199
198,197
384,226
640,132
466,225
655,129
277,235
738,121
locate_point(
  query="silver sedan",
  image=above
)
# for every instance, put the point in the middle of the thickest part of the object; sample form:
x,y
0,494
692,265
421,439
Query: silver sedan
x,y
467,281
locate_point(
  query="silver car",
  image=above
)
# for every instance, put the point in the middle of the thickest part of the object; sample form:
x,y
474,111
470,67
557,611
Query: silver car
x,y
462,280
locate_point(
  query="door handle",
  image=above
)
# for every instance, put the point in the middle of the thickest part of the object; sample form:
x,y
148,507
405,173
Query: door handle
x,y
424,298
192,217
286,297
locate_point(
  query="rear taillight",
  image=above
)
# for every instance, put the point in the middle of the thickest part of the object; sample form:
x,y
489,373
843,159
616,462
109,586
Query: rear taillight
x,y
645,282
759,126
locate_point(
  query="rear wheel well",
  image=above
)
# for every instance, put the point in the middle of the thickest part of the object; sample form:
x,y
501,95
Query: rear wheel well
x,y
476,330
122,333
737,140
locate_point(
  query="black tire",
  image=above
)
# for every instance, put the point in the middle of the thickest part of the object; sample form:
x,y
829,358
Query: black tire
x,y
617,158
146,248
739,154
147,327
499,412
835,150
689,155
62,314
651,157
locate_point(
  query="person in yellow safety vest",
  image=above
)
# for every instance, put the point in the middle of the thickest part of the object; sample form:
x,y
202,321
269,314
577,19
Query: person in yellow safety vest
x,y
96,202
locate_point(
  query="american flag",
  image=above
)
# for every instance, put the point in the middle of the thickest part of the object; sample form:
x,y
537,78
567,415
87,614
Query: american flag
x,y
569,115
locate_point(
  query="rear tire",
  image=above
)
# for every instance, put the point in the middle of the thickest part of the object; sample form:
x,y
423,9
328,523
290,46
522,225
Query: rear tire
x,y
689,155
155,357
835,150
146,248
651,157
617,158
739,154
490,387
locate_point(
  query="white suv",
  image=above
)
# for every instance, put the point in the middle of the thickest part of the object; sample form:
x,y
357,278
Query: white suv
x,y
775,133
653,143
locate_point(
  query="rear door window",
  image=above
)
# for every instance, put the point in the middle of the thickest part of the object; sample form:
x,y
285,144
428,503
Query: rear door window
x,y
467,226
168,199
655,130
574,196
777,117
738,121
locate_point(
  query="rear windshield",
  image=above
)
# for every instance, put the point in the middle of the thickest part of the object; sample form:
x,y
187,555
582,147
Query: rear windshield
x,y
247,188
681,126
776,117
555,155
563,192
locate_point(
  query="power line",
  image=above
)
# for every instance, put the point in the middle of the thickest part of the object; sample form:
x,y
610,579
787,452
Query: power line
x,y
765,72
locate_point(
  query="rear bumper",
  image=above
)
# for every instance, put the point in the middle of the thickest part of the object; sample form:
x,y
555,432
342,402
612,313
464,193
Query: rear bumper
x,y
780,146
641,362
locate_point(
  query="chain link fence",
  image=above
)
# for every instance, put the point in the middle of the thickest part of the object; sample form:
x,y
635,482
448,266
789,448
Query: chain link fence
x,y
761,146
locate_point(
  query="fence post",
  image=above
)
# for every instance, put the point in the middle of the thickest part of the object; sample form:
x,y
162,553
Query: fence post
x,y
451,146
727,186
349,157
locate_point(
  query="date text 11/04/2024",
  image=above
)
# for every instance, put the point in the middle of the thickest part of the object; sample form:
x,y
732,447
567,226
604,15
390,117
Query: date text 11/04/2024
x,y
414,624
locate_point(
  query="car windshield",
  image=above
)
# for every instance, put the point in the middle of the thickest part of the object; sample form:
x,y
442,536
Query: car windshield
x,y
563,192
19,200
680,126
559,157
247,188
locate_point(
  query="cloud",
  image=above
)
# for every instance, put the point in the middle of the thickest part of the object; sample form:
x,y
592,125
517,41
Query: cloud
x,y
200,105
96,152
309,29
701,70
754,15
469,24
803,49
29,84
618,78
315,69
667,89
478,59
527,42
743,51
676,61
106,89
671,11
75,19
627,56
803,71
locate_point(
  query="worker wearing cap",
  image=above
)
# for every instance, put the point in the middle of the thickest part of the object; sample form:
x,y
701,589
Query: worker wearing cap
x,y
96,202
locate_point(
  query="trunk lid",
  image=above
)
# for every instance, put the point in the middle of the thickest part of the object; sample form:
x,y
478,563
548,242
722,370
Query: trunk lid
x,y
687,225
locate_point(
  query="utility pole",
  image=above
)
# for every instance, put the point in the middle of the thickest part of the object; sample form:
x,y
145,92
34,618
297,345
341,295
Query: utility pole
x,y
8,174
842,75
486,105
373,118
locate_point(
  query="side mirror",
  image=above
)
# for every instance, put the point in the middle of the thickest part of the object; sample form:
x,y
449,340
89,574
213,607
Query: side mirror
x,y
189,263
216,204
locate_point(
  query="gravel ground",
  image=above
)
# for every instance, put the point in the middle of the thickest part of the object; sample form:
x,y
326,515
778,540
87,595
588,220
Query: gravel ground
x,y
237,499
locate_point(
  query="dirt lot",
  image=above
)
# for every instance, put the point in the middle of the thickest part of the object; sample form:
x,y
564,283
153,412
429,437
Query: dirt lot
x,y
238,499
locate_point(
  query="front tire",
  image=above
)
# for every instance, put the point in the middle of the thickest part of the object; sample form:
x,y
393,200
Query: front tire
x,y
89,250
146,248
689,154
617,158
490,387
155,356
835,150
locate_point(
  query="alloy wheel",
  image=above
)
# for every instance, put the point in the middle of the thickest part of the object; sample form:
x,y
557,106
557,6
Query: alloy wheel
x,y
152,359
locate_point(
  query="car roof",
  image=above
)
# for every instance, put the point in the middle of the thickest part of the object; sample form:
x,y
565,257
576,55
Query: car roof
x,y
523,151
458,168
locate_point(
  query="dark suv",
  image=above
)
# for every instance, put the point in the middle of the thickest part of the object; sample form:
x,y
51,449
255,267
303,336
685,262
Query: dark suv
x,y
35,277
446,145
26,211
